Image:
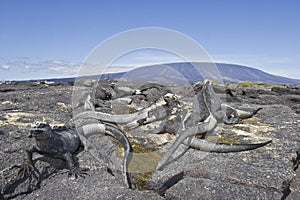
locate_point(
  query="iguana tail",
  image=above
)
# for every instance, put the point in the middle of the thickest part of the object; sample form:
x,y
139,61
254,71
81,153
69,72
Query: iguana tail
x,y
208,146
116,133
110,129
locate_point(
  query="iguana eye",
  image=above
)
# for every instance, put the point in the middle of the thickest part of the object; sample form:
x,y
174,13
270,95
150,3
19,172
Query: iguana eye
x,y
43,125
35,124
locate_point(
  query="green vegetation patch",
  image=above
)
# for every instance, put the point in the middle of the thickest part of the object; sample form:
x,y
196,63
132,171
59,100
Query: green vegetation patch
x,y
254,84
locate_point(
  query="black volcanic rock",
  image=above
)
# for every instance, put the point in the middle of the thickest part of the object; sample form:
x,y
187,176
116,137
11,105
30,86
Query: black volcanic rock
x,y
257,174
287,90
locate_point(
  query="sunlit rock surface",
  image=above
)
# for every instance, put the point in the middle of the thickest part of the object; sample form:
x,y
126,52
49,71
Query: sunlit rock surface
x,y
264,173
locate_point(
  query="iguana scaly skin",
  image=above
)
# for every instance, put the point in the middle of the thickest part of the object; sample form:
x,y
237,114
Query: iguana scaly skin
x,y
209,112
60,143
64,143
109,129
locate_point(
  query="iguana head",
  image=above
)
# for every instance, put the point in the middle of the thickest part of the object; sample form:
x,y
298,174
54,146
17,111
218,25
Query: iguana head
x,y
40,130
171,99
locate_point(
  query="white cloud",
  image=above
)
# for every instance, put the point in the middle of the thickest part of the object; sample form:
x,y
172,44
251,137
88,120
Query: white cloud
x,y
61,68
57,62
24,68
5,67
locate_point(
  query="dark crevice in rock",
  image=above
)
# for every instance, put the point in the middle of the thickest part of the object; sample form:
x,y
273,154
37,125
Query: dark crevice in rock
x,y
170,183
7,90
286,189
286,185
296,160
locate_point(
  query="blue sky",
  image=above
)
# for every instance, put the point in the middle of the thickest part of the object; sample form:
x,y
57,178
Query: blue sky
x,y
50,38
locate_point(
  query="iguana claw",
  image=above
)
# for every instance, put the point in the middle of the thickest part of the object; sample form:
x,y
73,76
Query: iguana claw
x,y
27,169
76,172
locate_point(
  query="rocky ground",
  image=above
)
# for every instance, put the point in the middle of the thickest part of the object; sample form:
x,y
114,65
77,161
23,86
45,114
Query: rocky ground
x,y
264,173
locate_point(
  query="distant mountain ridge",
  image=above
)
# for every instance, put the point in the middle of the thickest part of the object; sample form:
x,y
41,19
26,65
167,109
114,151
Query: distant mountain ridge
x,y
229,72
236,73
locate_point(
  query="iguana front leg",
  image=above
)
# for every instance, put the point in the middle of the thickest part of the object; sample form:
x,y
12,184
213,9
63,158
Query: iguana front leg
x,y
73,166
27,167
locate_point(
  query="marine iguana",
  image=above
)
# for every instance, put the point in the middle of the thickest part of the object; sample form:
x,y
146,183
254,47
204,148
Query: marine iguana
x,y
208,111
124,118
65,142
120,119
203,119
102,123
57,143
222,112
110,129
